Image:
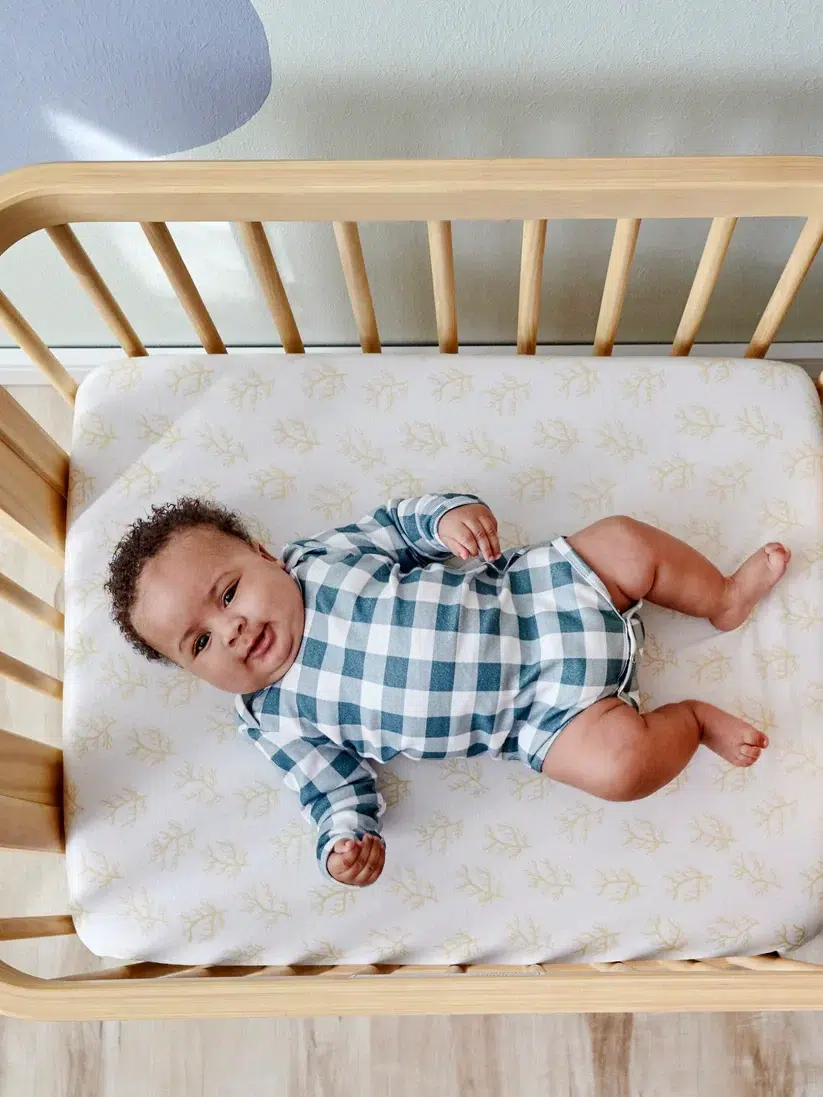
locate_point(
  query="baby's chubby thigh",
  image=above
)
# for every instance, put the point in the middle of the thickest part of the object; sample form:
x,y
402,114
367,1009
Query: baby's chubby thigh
x,y
602,751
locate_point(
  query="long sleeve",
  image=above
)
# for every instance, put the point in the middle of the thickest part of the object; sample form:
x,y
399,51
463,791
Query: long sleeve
x,y
337,789
404,531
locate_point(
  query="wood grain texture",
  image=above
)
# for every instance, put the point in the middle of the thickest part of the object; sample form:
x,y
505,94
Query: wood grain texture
x,y
347,235
30,770
168,255
30,677
32,345
45,925
262,259
29,603
24,435
445,303
616,284
790,281
705,279
28,825
31,503
531,279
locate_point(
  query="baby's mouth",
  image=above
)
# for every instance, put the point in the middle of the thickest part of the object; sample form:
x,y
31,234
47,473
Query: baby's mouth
x,y
261,645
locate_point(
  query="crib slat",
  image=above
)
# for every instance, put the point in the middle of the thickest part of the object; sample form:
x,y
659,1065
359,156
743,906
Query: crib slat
x,y
531,278
163,245
78,261
45,925
28,676
26,825
347,236
705,279
146,969
257,245
616,284
789,282
27,438
445,303
30,770
32,345
29,603
29,507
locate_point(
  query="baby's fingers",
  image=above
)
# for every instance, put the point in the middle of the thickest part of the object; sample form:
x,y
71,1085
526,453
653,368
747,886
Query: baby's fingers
x,y
489,524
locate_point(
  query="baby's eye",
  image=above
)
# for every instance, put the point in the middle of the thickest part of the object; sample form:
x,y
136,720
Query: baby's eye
x,y
200,643
230,593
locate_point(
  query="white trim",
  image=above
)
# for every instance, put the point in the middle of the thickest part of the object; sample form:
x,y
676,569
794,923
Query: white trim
x,y
16,369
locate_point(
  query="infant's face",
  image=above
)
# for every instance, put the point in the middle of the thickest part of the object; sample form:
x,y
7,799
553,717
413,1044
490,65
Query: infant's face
x,y
225,611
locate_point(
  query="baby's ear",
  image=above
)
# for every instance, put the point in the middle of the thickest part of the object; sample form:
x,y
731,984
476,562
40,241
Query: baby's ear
x,y
264,552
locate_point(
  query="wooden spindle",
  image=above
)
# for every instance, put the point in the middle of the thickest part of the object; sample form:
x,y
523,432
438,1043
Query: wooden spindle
x,y
30,770
790,281
30,604
616,284
44,925
30,677
163,245
31,508
445,303
347,236
25,437
705,279
262,260
32,345
531,279
91,280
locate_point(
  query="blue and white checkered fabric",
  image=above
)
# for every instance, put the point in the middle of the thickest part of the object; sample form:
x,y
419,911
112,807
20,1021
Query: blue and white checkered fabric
x,y
404,655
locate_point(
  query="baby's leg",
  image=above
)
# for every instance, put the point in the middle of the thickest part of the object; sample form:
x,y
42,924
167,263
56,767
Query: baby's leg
x,y
638,561
614,752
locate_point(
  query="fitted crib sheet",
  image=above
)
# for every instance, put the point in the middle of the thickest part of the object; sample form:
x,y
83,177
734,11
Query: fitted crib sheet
x,y
184,846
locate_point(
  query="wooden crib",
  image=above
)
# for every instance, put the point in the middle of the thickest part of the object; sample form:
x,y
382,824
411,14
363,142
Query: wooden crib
x,y
34,483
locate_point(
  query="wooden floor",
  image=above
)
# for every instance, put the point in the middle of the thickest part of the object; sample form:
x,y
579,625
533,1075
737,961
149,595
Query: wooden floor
x,y
734,1055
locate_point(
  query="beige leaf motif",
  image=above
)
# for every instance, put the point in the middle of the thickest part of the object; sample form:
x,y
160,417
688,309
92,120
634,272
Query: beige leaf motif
x,y
124,375
189,379
790,937
509,840
177,688
713,666
643,835
98,871
644,382
479,884
93,734
93,431
801,614
595,498
198,783
533,485
753,424
779,517
291,843
333,502
389,944
729,482
124,677
755,873
321,952
675,473
139,480
805,462
80,650
361,451
596,941
126,806
697,421
323,382
217,442
258,799
412,890
264,904
508,396
460,948
618,885
712,832
384,390
332,900
527,935
160,430
439,832
732,935
577,822
713,371
665,934
143,909
171,844
773,814
620,442
478,445
274,483
225,859
577,378
204,922
152,746
400,482
424,438
249,390
776,662
549,879
295,434
556,434
81,488
462,775
657,659
392,787
528,786
689,884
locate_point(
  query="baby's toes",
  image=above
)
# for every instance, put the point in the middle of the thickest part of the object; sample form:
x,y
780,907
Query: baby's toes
x,y
748,754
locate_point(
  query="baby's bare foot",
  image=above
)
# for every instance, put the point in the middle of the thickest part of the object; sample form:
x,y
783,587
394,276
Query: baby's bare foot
x,y
728,736
751,582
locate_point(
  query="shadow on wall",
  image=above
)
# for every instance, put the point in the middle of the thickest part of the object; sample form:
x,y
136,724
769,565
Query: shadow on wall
x,y
324,116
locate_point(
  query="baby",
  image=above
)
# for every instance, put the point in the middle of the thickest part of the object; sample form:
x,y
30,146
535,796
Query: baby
x,y
362,643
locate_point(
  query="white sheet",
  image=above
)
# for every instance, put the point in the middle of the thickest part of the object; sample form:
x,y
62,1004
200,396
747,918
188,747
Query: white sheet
x,y
183,846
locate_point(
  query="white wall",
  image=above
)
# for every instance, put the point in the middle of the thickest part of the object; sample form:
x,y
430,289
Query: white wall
x,y
482,78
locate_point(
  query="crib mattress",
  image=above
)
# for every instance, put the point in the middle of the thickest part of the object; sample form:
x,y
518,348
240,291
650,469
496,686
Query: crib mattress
x,y
184,846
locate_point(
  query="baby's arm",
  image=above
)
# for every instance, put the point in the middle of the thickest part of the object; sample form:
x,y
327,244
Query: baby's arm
x,y
405,531
338,791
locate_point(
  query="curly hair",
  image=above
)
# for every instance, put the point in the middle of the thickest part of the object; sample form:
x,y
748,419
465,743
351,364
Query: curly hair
x,y
144,540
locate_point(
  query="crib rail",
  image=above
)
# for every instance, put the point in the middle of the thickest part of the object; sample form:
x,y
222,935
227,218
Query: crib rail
x,y
436,192
34,487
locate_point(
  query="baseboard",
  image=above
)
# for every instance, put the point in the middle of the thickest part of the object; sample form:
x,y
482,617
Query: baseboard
x,y
16,369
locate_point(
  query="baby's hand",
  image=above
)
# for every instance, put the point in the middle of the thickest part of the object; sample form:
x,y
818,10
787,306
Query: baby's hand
x,y
469,530
357,861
